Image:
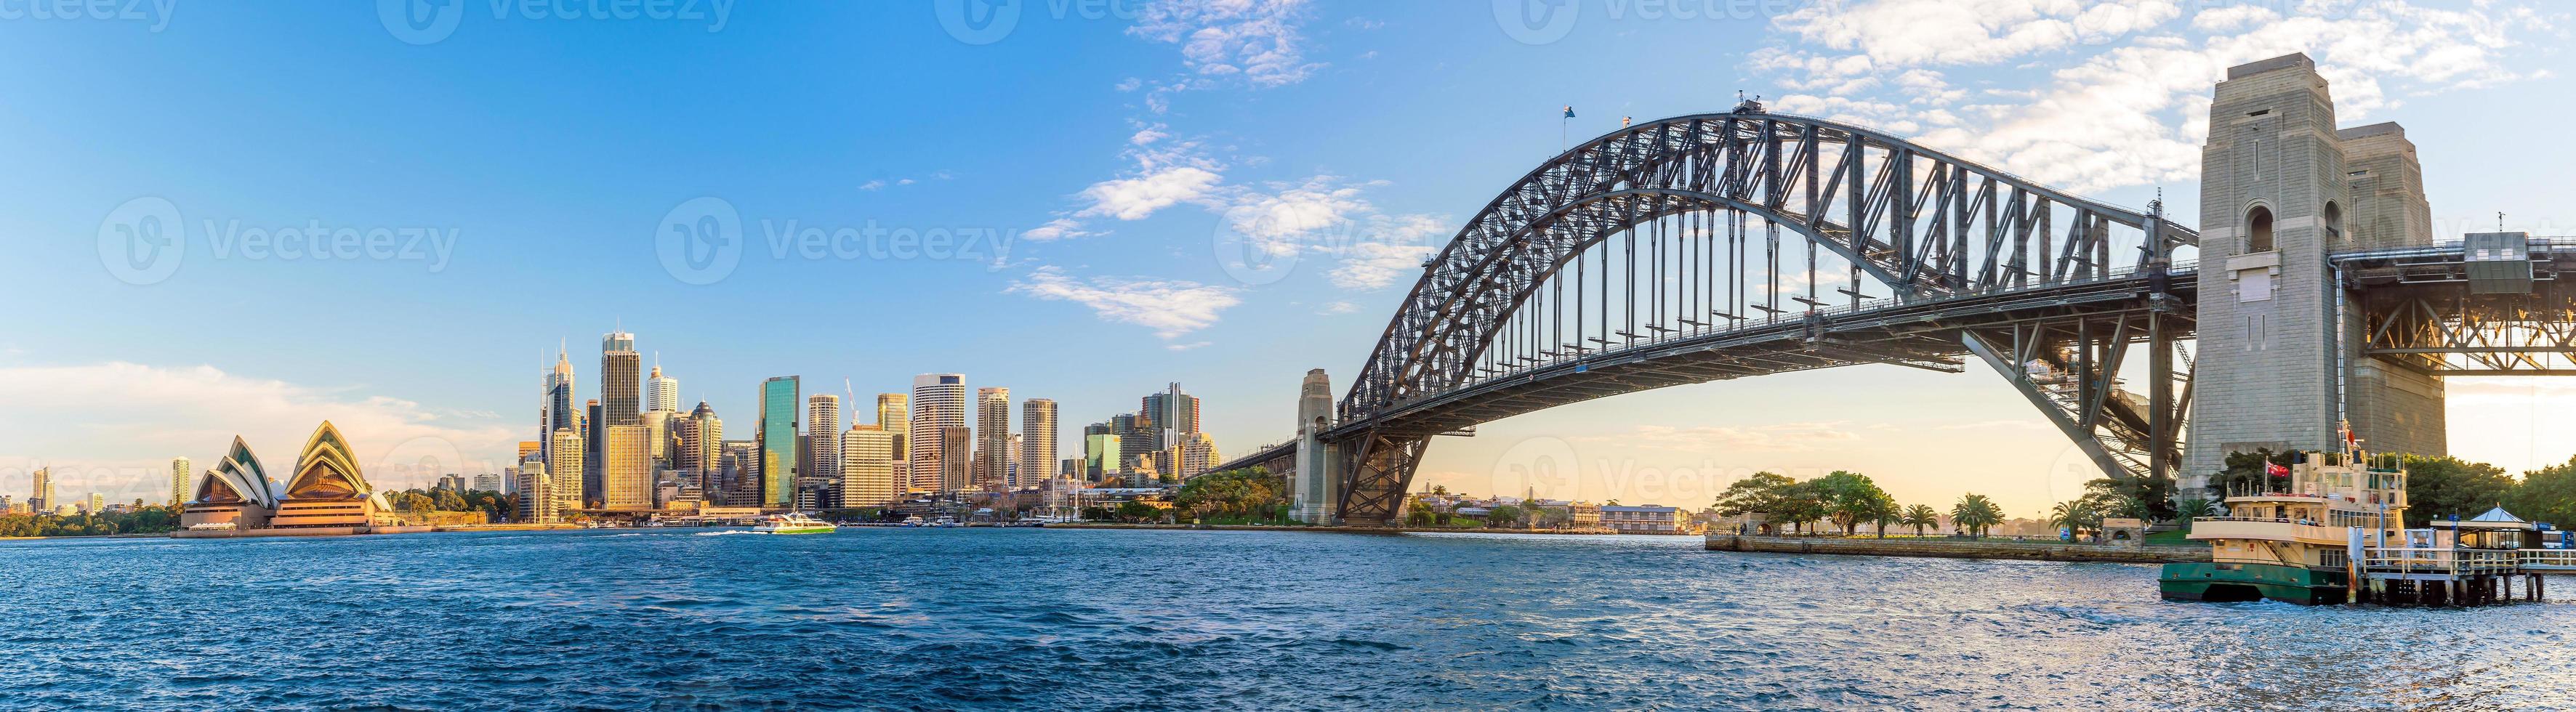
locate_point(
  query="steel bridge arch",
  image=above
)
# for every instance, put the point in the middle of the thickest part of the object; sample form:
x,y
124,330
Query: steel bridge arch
x,y
1908,217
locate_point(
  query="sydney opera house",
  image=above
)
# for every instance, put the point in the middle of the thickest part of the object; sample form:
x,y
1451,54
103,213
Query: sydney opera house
x,y
325,494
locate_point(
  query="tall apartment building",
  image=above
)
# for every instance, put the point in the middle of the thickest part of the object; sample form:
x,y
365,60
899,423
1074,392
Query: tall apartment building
x,y
627,471
822,454
565,465
1037,440
179,467
778,442
867,467
993,437
938,403
953,473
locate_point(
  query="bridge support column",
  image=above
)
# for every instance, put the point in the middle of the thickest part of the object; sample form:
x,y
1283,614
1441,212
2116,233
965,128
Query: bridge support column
x,y
1315,492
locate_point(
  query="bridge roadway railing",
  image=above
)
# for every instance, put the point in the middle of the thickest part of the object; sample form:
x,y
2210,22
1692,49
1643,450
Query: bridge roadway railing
x,y
1771,328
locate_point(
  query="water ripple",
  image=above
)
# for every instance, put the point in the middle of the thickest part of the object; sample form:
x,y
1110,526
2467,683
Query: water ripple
x,y
938,619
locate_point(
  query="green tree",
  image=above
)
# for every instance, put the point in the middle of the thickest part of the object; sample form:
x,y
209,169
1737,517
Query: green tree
x,y
2245,470
2546,495
1503,516
1418,513
1920,517
2078,516
2437,487
1763,493
1974,514
2194,508
1849,498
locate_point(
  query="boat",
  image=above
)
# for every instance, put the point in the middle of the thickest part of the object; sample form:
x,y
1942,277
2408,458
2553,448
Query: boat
x,y
913,521
793,523
2290,537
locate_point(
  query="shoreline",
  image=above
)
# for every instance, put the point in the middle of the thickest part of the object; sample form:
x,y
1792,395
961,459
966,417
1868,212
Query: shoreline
x,y
1343,529
1949,548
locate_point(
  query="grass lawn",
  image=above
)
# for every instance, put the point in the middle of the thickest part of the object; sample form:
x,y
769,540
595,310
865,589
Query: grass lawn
x,y
2171,538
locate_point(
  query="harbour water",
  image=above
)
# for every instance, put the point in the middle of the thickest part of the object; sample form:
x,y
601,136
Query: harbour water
x,y
1056,619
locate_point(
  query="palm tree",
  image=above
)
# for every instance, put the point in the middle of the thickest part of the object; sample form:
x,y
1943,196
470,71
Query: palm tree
x,y
2077,516
1920,517
1974,513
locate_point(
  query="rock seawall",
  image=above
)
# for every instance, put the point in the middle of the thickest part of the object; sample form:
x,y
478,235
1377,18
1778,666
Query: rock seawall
x,y
1957,549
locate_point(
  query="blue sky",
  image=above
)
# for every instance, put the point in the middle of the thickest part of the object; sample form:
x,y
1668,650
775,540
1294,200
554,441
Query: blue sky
x,y
1116,146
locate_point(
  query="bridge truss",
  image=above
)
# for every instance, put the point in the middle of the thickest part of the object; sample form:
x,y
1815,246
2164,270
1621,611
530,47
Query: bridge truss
x,y
1719,246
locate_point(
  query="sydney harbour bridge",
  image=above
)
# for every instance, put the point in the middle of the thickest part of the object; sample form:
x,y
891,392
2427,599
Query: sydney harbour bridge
x,y
1747,243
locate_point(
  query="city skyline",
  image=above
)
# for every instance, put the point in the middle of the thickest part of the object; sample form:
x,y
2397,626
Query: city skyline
x,y
1117,247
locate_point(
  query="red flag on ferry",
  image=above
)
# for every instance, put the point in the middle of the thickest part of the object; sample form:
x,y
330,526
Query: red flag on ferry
x,y
2275,469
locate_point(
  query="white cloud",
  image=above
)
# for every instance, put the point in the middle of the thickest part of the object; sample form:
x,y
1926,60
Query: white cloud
x,y
1256,40
1339,308
113,427
873,185
2130,107
1057,229
1170,307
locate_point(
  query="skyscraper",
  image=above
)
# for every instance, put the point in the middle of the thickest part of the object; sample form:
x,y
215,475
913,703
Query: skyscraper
x,y
557,407
938,403
43,497
536,491
867,467
953,445
620,393
1037,440
179,467
702,449
822,455
993,437
627,472
778,444
594,425
661,392
1172,410
565,465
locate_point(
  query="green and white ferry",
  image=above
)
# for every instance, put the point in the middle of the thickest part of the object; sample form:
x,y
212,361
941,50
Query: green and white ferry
x,y
2293,542
794,523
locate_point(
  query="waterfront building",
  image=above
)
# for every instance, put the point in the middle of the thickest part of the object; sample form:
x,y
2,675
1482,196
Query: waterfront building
x,y
1100,456
564,485
327,489
1198,454
822,453
43,497
993,437
1037,440
776,434
658,436
894,415
661,393
867,467
938,403
235,493
1645,519
180,471
627,471
738,473
536,492
701,447
954,476
620,391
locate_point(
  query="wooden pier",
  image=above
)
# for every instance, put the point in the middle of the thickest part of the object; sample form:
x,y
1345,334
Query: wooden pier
x,y
2435,576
